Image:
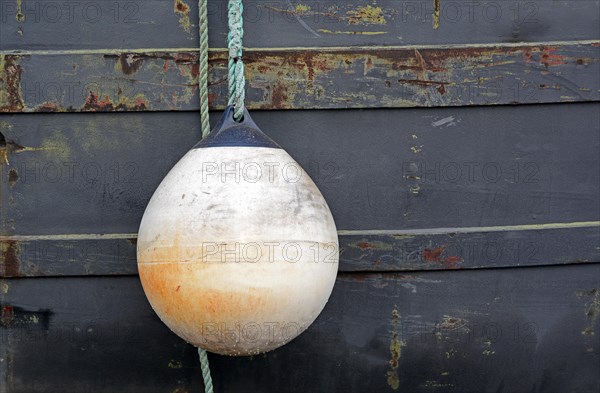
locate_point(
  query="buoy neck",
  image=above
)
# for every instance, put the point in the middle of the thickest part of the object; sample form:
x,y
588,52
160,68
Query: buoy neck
x,y
229,132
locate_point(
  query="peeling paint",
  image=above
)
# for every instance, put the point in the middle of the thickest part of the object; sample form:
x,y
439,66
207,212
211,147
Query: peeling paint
x,y
361,15
303,78
11,98
367,15
451,324
364,244
9,251
436,14
93,103
302,8
19,16
435,255
416,149
9,147
592,309
396,345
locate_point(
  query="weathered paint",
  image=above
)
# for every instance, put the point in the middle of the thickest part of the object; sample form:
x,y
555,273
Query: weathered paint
x,y
360,251
436,14
396,345
9,253
55,330
527,321
126,24
117,160
181,9
304,78
591,298
11,99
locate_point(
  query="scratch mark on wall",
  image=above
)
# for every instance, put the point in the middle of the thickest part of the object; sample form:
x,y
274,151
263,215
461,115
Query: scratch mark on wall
x,y
592,309
447,121
352,32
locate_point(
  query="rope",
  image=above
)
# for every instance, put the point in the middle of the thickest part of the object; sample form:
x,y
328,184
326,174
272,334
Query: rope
x,y
236,81
236,78
205,126
203,67
208,386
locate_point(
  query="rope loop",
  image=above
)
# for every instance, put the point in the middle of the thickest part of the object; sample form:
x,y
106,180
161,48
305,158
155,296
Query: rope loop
x,y
203,68
236,79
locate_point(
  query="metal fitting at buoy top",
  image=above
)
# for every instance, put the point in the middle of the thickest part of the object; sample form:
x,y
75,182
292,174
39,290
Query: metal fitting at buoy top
x,y
222,250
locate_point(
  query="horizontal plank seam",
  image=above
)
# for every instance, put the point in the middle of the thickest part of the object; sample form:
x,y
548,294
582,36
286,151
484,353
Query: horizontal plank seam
x,y
398,272
359,232
108,51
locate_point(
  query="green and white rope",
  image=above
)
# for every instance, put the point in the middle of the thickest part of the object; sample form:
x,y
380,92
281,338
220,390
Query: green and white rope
x,y
237,81
208,386
205,126
237,84
203,68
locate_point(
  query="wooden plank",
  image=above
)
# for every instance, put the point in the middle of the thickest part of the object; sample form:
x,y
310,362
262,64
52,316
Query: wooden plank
x,y
44,24
513,330
378,169
360,251
303,78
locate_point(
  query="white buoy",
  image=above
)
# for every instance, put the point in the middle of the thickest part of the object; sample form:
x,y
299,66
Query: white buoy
x,y
237,249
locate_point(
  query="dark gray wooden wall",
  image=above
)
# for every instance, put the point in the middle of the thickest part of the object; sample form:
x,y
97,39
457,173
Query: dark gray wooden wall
x,y
457,143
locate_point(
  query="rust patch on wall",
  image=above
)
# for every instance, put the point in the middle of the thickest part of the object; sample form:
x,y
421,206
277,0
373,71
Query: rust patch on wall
x,y
550,58
49,107
307,78
9,250
434,255
93,103
13,177
364,245
545,56
11,98
279,96
130,63
183,10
